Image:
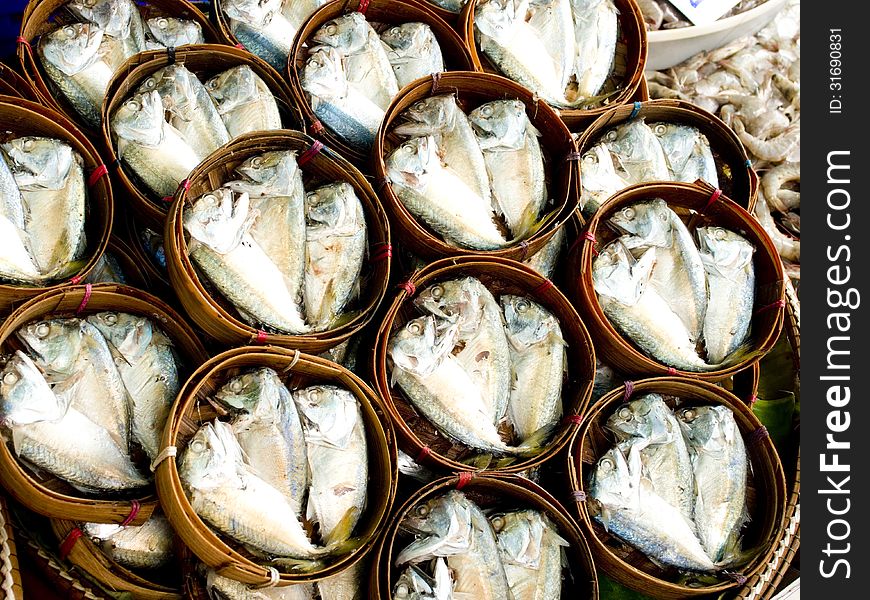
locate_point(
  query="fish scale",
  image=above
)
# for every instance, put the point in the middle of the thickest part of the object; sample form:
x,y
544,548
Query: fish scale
x,y
413,52
532,553
244,101
145,546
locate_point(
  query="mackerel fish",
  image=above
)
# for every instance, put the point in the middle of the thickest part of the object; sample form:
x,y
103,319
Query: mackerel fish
x,y
269,431
119,19
346,585
638,154
16,263
532,553
413,52
687,152
147,546
107,270
544,261
600,178
224,588
170,32
485,353
244,101
721,468
440,198
595,32
415,584
514,162
553,22
262,29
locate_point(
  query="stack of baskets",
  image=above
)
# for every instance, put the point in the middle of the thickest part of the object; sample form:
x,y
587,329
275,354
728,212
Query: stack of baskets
x,y
146,238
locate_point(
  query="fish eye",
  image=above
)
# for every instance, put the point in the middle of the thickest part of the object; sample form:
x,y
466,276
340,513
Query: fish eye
x,y
331,29
70,32
197,446
10,379
437,292
719,233
110,318
624,413
162,23
314,395
422,510
28,145
590,159
414,327
486,111
209,198
660,129
688,414
408,148
213,84
606,464
522,306
402,591
610,135
132,105
396,30
90,3
498,524
43,329
235,386
150,83
257,161
628,213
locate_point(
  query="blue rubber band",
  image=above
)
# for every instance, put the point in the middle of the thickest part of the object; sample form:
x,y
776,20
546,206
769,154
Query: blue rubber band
x,y
748,164
635,110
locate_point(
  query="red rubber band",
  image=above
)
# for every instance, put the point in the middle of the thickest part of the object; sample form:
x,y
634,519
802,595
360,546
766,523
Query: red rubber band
x,y
629,391
758,435
465,478
69,541
713,197
313,151
135,506
572,156
574,419
240,47
87,297
97,174
436,81
425,452
777,304
578,496
753,399
76,280
672,371
316,127
409,288
261,337
21,40
590,237
546,285
363,6
384,254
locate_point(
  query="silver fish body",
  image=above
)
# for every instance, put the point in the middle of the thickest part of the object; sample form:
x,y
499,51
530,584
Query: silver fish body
x,y
244,101
415,584
595,31
637,152
225,492
156,152
335,244
262,29
629,508
224,588
443,119
687,152
171,32
727,259
538,360
337,457
600,178
147,546
346,585
665,455
514,162
363,57
145,359
545,260
413,52
485,353
341,107
269,431
678,275
721,468
50,176
221,245
531,550
16,262
451,5
117,18
80,60
440,198
553,21
107,270
192,112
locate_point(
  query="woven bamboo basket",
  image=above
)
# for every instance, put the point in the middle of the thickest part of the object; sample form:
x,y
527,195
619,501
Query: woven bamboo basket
x,y
737,178
692,203
87,557
19,117
194,407
456,56
419,437
158,276
766,491
10,576
472,90
44,16
625,78
204,61
13,84
449,17
45,494
133,271
499,492
217,317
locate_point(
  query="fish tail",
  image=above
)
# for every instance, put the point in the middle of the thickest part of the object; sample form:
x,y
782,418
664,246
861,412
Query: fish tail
x,y
342,542
535,442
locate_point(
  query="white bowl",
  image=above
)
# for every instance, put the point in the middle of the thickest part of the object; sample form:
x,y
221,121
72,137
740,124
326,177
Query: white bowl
x,y
669,47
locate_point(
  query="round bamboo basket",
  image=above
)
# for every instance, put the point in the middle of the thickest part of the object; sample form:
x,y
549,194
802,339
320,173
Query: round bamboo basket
x,y
420,438
48,495
87,557
625,78
13,84
766,491
216,316
498,492
691,202
204,61
449,17
19,117
44,16
472,90
10,575
193,407
456,56
737,178
134,273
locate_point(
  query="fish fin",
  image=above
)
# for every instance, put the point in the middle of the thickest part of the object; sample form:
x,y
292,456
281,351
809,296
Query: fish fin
x,y
298,565
505,462
341,533
535,442
478,461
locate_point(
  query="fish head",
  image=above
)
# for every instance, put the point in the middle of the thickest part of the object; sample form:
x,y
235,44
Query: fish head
x,y
527,322
419,347
437,515
500,125
497,18
599,172
172,32
72,48
211,456
248,392
39,162
220,219
234,87
649,220
457,300
175,84
724,249
708,428
140,119
331,205
409,164
348,33
633,140
330,414
112,16
520,535
430,115
323,74
617,274
648,418
276,169
414,584
614,482
25,395
129,334
257,13
56,343
408,39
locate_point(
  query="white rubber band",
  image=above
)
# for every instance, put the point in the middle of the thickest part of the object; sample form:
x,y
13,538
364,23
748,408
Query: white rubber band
x,y
167,452
274,579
